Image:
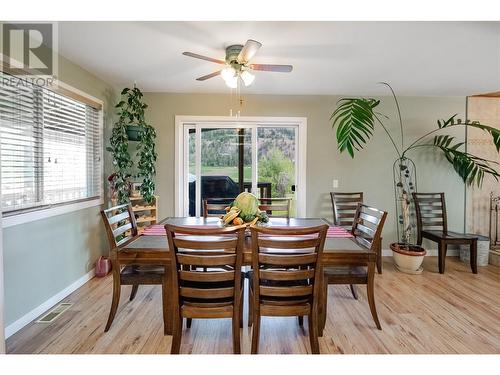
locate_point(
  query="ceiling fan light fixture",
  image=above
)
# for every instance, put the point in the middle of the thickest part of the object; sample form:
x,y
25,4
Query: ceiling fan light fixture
x,y
228,73
232,82
247,77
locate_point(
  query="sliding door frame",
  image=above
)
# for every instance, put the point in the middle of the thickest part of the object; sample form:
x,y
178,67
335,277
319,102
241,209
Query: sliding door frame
x,y
181,154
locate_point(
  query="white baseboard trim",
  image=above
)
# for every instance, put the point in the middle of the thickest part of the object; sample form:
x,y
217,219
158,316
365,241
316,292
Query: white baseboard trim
x,y
36,312
430,253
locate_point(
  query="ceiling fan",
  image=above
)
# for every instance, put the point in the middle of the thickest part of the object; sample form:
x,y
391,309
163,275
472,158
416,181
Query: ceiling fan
x,y
237,64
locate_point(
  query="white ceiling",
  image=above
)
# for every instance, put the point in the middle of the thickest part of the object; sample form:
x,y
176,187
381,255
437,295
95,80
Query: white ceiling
x,y
417,58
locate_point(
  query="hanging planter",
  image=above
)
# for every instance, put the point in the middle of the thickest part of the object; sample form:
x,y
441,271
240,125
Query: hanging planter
x,y
134,132
132,126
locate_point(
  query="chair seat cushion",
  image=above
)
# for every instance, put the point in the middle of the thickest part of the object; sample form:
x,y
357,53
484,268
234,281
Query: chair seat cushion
x,y
332,272
131,275
448,235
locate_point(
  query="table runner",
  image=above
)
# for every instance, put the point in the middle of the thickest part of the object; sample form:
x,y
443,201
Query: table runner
x,y
333,231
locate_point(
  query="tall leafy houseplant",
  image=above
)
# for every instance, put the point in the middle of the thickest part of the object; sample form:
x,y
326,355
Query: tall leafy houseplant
x,y
355,119
130,112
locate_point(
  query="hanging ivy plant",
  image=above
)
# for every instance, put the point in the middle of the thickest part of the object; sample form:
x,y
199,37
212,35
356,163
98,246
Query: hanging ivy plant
x,y
130,112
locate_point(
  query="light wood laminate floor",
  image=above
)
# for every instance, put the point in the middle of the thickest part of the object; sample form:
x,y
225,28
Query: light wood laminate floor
x,y
457,312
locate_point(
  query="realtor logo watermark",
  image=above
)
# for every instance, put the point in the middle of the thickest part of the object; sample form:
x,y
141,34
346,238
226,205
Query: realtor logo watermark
x,y
29,53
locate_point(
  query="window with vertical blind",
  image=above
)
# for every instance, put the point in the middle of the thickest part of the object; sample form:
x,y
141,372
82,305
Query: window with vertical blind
x,y
51,148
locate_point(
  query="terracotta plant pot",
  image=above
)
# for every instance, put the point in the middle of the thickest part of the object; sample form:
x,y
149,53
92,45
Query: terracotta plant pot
x,y
408,258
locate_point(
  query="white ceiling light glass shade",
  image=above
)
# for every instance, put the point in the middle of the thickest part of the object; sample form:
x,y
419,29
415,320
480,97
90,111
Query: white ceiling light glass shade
x,y
232,82
247,77
228,73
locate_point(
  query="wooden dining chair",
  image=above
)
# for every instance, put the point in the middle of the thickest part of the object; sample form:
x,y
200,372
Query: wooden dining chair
x,y
432,224
344,209
215,292
276,207
284,278
121,228
367,228
215,207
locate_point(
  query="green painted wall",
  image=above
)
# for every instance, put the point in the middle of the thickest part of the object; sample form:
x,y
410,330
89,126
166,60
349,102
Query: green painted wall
x,y
43,257
370,171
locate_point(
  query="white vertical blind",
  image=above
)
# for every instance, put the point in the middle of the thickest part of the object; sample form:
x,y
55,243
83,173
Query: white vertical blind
x,y
51,148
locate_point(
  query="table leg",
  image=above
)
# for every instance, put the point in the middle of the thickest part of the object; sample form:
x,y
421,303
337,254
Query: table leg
x,y
168,308
322,305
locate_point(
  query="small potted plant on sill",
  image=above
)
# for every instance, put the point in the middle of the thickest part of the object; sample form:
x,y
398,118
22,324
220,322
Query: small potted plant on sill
x,y
355,119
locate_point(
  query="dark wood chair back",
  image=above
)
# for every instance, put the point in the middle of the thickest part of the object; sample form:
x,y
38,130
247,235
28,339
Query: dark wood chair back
x,y
276,207
284,263
206,269
344,208
120,224
214,207
367,226
431,212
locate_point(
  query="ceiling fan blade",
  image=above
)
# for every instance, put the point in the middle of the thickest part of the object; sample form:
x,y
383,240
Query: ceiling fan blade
x,y
272,68
196,56
248,51
208,76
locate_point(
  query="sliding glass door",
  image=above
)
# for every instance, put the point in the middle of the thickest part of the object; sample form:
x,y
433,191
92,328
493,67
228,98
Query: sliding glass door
x,y
223,159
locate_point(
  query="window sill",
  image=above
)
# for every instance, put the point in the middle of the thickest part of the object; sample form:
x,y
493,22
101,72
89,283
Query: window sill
x,y
28,217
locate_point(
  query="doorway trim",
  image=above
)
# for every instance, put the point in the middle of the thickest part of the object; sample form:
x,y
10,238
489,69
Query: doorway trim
x,y
300,164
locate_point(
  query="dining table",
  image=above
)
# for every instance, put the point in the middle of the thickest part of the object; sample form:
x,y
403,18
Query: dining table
x,y
152,249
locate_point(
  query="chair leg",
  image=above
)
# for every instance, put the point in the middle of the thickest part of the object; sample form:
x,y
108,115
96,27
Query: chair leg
x,y
133,293
313,332
371,294
301,320
236,331
255,333
166,307
250,305
353,291
189,321
379,256
241,307
176,334
473,256
442,255
115,301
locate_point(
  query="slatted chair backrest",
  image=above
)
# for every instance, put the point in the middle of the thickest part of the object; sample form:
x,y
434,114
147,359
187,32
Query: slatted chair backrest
x,y
285,262
276,207
431,211
206,265
120,224
214,207
344,208
367,226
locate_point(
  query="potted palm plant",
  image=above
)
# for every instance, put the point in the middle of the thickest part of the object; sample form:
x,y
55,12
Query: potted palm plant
x,y
354,120
132,126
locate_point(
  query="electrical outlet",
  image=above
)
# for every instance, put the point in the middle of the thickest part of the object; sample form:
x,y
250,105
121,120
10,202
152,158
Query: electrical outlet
x,y
335,184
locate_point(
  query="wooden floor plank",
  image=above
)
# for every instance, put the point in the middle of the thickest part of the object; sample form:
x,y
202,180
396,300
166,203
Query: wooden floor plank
x,y
457,312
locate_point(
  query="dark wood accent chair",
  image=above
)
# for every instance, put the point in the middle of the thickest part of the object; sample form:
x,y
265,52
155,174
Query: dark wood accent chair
x,y
344,208
432,224
284,275
121,228
367,228
276,207
214,207
213,293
